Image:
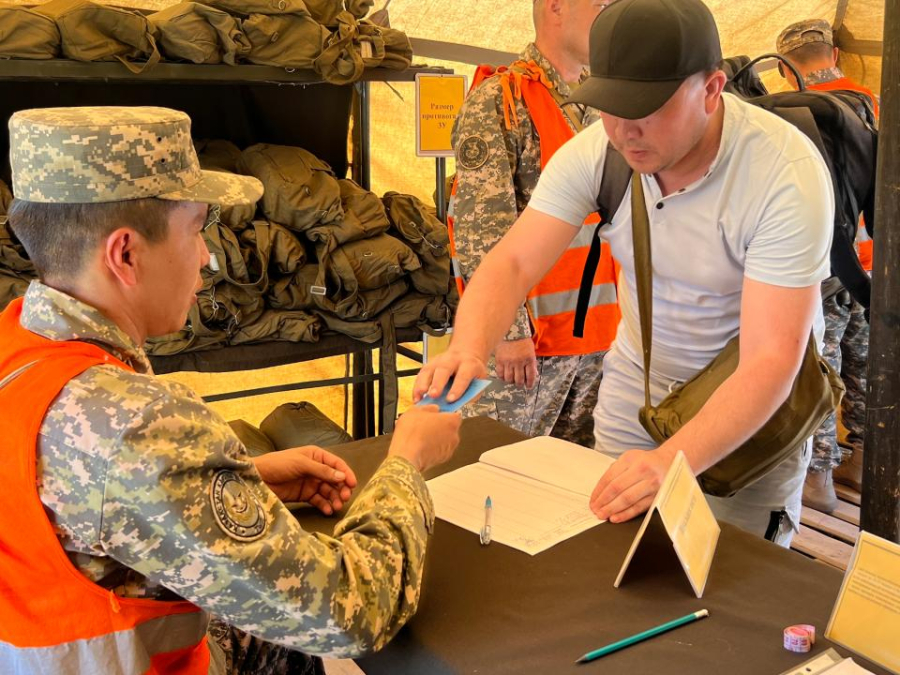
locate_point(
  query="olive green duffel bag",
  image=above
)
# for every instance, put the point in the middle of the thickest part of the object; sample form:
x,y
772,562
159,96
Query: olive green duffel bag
x,y
190,31
278,326
92,32
369,263
285,40
254,441
364,217
293,425
296,291
27,34
341,61
414,223
248,7
301,189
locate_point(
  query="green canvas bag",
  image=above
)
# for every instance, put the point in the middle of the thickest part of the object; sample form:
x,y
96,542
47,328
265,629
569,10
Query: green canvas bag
x,y
190,31
248,7
92,32
816,392
293,425
285,40
341,60
300,189
27,34
295,291
254,441
414,223
396,47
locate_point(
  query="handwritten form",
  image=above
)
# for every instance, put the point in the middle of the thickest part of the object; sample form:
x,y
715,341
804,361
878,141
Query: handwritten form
x,y
539,488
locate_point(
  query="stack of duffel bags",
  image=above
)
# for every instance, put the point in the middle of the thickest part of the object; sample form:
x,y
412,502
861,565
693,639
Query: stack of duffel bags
x,y
319,253
328,37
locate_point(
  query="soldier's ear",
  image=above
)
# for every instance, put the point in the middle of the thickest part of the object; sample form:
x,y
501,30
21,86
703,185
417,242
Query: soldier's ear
x,y
555,7
120,255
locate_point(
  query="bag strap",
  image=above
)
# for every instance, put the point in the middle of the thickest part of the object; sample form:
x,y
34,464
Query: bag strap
x,y
613,185
643,273
152,60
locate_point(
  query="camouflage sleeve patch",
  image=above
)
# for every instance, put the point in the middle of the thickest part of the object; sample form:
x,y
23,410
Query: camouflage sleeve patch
x,y
472,153
497,168
184,506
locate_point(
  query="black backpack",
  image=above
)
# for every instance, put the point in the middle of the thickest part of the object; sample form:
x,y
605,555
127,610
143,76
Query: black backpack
x,y
841,124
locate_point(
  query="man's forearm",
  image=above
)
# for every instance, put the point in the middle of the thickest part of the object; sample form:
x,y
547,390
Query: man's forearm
x,y
741,405
489,305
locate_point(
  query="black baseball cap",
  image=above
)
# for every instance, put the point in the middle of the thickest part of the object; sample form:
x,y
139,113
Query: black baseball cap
x,y
641,52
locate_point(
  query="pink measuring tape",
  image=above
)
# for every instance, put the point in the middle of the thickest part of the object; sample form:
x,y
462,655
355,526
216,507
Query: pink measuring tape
x,y
799,638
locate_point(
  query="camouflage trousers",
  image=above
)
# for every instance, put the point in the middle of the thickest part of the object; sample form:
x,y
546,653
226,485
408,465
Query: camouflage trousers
x,y
560,404
235,652
847,350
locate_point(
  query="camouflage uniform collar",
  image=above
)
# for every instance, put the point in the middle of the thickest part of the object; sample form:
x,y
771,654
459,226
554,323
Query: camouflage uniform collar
x,y
532,53
57,316
823,76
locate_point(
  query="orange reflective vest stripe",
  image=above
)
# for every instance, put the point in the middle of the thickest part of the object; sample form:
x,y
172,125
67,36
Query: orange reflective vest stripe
x,y
863,242
53,619
551,303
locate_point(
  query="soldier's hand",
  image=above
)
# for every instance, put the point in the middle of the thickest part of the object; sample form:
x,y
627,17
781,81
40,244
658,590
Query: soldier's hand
x,y
463,367
425,436
516,362
629,486
308,474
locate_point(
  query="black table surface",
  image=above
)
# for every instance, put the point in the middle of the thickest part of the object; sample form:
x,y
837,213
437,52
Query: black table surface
x,y
493,609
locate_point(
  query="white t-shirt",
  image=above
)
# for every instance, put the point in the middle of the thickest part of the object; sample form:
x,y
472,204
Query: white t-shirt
x,y
764,210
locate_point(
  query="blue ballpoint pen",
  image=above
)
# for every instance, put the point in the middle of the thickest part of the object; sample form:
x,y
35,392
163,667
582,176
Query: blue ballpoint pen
x,y
627,642
485,535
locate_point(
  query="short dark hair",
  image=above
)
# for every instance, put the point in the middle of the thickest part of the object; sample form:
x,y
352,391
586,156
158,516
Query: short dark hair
x,y
810,52
59,237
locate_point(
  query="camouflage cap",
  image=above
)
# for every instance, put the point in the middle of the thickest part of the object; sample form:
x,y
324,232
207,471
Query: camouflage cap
x,y
111,154
804,33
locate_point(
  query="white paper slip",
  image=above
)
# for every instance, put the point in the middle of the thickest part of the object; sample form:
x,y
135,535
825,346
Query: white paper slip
x,y
528,515
552,460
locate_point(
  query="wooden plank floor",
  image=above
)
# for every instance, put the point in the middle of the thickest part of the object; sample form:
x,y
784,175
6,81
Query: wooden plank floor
x,y
830,538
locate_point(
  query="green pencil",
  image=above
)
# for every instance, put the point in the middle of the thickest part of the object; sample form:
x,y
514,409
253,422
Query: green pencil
x,y
640,637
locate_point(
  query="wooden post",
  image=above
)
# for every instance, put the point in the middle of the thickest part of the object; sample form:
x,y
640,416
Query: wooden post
x,y
881,470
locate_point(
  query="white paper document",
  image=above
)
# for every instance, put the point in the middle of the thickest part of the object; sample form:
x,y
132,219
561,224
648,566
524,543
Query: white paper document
x,y
539,488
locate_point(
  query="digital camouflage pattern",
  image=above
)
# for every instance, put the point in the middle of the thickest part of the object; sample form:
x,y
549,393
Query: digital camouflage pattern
x,y
847,351
560,404
822,76
803,33
497,171
127,466
104,154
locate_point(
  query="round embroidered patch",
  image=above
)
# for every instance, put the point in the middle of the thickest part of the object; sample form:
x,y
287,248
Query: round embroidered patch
x,y
237,510
473,153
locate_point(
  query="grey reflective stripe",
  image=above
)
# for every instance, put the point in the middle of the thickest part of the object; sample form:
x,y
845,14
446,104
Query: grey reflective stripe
x,y
457,270
565,301
125,652
584,237
13,375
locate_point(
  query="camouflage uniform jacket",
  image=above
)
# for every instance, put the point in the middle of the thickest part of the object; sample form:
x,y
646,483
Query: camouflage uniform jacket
x,y
127,468
500,171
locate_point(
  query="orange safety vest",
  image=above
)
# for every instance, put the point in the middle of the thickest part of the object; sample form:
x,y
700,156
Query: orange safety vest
x,y
863,241
551,303
53,619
